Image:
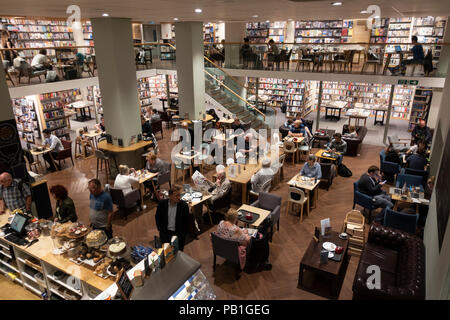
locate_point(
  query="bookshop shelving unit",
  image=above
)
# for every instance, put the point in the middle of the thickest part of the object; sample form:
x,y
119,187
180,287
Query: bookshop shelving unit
x,y
429,30
420,106
167,53
38,33
347,31
323,31
26,119
95,96
401,103
379,31
258,32
88,37
209,32
277,31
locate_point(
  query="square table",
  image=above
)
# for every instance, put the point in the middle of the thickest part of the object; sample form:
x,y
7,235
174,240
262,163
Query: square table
x,y
319,155
82,106
193,224
186,159
92,135
226,122
333,110
357,114
143,177
333,270
243,178
309,187
263,214
408,200
46,150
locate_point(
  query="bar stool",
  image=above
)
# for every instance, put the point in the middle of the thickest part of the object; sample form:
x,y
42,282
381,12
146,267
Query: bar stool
x,y
103,158
301,201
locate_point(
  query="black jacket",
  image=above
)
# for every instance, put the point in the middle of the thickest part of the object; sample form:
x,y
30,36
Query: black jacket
x,y
181,221
366,186
419,133
392,156
65,211
416,161
147,129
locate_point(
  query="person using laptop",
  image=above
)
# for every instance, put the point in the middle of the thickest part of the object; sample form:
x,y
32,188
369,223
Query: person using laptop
x,y
14,194
337,145
417,51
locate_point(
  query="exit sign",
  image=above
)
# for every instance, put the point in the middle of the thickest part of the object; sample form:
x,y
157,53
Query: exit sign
x,y
402,81
414,82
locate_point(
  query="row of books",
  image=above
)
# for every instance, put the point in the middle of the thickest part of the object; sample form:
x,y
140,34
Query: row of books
x,y
318,33
318,24
45,36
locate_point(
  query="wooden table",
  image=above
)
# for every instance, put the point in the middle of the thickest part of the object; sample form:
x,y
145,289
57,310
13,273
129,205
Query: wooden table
x,y
244,177
82,106
208,118
119,151
42,250
333,270
222,137
143,178
92,135
186,159
383,112
297,182
61,68
333,110
193,224
408,200
319,155
319,138
226,122
67,114
46,150
357,118
263,214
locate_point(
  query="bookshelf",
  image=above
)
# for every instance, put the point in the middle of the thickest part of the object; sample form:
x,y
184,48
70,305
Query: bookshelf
x,y
258,32
38,33
88,37
379,31
26,119
297,94
145,97
321,31
401,102
429,30
167,53
52,110
347,31
420,106
209,32
277,31
94,95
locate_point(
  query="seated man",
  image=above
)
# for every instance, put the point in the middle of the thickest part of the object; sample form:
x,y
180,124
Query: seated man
x,y
146,127
417,161
421,132
297,129
55,146
154,116
220,187
338,145
249,146
14,194
311,168
370,184
40,61
189,132
261,176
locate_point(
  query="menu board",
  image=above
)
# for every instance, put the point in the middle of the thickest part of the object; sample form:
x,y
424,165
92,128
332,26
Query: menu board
x,y
124,285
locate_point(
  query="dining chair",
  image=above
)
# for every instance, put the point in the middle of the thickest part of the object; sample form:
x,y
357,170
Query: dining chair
x,y
290,148
371,62
299,199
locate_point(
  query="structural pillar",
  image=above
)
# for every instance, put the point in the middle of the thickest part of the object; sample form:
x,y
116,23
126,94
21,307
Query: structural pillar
x,y
190,69
444,57
234,33
117,80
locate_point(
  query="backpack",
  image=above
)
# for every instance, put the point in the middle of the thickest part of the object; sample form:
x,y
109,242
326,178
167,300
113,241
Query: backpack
x,y
343,171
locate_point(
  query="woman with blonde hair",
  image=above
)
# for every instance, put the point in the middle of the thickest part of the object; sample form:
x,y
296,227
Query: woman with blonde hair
x,y
351,132
124,180
228,229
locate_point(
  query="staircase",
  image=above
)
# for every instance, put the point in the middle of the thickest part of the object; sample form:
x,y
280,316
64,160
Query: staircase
x,y
230,101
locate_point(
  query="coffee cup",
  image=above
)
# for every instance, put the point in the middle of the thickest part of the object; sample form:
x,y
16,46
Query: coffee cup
x,y
338,250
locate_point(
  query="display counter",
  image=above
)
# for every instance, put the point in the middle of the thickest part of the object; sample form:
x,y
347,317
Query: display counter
x,y
23,266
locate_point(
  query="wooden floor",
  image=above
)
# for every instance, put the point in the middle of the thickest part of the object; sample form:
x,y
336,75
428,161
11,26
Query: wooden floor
x,y
288,244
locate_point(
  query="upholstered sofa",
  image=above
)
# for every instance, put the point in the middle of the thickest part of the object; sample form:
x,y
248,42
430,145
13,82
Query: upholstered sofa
x,y
354,144
401,258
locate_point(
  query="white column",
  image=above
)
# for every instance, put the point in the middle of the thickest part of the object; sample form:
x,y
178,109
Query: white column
x,y
234,32
117,78
445,52
190,69
290,33
78,36
221,31
166,31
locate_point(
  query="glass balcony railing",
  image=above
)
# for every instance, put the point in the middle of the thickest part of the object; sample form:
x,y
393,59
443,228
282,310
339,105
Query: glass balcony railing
x,y
356,58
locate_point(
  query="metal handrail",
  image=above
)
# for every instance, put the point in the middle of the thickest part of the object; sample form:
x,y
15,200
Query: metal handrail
x,y
225,86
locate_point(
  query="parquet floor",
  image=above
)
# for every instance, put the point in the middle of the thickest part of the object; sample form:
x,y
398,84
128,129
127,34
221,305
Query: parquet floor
x,y
286,250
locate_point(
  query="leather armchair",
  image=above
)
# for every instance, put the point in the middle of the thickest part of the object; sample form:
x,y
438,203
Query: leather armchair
x,y
66,153
227,249
363,200
285,130
354,144
271,202
401,258
410,180
389,169
165,177
157,127
328,174
125,202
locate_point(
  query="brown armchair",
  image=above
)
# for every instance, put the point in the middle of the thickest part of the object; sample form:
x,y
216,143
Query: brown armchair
x,y
354,144
401,258
66,153
328,174
157,127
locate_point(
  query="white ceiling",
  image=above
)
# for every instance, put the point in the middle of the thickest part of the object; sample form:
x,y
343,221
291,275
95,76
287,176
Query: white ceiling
x,y
226,10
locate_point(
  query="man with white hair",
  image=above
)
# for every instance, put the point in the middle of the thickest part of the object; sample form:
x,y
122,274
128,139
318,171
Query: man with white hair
x,y
14,194
262,176
221,186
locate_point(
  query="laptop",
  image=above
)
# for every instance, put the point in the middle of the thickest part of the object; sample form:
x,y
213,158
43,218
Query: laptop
x,y
15,230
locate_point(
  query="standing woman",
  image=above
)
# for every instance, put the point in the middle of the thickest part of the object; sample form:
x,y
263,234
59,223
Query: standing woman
x,y
6,43
65,208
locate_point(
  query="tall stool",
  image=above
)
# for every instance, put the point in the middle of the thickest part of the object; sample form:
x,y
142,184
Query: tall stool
x,y
103,158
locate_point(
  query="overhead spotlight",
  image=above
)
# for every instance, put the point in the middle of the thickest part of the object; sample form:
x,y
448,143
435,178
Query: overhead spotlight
x,y
255,16
198,10
176,19
336,3
105,15
364,12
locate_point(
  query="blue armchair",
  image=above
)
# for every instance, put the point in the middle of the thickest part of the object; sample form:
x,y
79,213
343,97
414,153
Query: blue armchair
x,y
402,221
410,180
414,172
271,202
363,200
388,168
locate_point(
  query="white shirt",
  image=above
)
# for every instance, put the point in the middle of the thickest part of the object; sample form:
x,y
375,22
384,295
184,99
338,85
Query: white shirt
x,y
124,182
54,142
39,59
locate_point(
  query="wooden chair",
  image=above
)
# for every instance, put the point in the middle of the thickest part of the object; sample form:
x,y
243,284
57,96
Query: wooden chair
x,y
81,146
301,201
26,70
355,228
346,63
327,60
374,62
7,74
102,158
66,153
157,127
303,61
180,166
290,148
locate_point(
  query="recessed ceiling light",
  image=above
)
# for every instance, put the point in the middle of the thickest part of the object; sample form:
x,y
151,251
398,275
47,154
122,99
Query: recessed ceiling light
x,y
255,16
364,12
377,17
105,15
198,10
176,19
336,3
220,21
289,19
267,21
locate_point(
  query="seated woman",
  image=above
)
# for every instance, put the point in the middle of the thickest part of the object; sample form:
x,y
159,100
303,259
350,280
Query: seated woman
x,y
124,180
228,229
101,126
311,169
351,132
84,142
154,165
65,208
